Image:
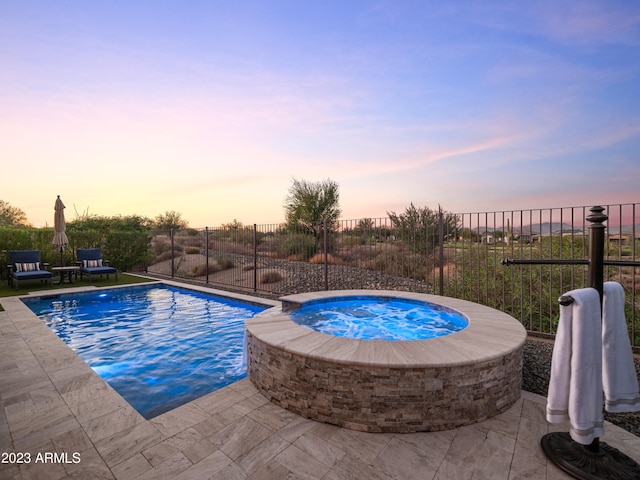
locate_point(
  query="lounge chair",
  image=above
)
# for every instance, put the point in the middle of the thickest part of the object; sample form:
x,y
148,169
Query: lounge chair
x,y
26,265
91,263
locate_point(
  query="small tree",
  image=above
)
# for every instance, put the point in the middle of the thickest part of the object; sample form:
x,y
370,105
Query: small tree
x,y
310,204
418,227
170,220
12,216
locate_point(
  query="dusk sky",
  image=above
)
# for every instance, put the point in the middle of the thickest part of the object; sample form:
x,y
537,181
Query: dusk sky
x,y
210,108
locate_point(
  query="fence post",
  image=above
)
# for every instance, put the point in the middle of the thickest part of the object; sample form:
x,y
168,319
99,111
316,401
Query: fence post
x,y
441,250
255,257
326,263
173,252
206,253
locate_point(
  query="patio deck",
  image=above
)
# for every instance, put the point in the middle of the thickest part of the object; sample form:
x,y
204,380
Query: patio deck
x,y
54,403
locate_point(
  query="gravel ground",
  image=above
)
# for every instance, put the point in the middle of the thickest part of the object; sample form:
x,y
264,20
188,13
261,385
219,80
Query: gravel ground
x,y
303,277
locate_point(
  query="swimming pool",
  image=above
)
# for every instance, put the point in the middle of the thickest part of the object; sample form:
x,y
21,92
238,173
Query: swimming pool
x,y
157,345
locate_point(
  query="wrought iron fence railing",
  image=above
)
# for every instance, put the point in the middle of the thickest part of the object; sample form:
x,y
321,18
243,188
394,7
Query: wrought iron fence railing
x,y
457,255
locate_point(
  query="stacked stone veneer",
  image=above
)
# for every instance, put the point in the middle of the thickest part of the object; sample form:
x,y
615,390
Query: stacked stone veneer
x,y
385,399
374,386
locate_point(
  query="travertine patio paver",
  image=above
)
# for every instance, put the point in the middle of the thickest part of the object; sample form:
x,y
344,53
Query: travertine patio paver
x,y
53,403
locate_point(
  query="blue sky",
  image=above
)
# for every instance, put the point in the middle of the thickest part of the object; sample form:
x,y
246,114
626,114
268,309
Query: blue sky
x,y
211,108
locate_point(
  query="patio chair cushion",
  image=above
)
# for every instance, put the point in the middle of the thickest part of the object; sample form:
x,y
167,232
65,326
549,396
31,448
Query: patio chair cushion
x,y
27,267
98,270
92,263
33,275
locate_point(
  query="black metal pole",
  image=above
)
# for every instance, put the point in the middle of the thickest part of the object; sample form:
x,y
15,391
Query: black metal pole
x,y
173,263
596,249
206,253
326,251
596,269
441,251
255,257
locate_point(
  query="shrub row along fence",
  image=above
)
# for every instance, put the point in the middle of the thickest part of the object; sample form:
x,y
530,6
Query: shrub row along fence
x,y
125,249
457,255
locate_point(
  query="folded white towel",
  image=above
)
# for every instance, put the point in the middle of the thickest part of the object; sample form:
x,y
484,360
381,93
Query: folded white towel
x,y
619,377
575,388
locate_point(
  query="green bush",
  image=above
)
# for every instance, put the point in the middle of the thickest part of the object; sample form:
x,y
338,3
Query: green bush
x,y
297,244
12,238
127,250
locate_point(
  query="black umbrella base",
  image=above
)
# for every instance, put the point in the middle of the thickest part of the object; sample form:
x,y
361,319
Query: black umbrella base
x,y
586,462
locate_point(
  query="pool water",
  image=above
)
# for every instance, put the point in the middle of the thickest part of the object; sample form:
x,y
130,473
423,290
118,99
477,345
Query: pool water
x,y
373,318
158,346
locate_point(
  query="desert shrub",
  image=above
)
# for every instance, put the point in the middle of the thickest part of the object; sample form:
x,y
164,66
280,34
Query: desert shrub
x,y
166,256
318,258
297,244
359,253
201,270
191,250
188,241
160,245
224,263
399,263
353,240
270,277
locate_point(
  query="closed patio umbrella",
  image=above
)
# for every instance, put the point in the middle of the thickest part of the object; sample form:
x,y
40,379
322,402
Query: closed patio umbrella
x,y
60,239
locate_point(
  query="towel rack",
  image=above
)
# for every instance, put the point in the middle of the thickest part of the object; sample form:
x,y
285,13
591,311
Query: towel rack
x,y
565,300
597,460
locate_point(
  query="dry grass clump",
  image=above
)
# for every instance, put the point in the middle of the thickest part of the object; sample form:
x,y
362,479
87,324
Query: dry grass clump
x,y
215,266
201,270
167,255
318,258
270,277
359,253
225,263
233,248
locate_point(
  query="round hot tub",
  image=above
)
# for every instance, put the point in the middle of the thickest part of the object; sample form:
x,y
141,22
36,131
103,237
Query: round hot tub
x,y
386,385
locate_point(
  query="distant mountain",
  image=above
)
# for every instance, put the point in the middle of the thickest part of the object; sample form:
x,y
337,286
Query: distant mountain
x,y
625,229
546,228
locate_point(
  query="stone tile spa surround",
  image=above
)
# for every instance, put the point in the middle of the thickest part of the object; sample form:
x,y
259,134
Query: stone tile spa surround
x,y
388,386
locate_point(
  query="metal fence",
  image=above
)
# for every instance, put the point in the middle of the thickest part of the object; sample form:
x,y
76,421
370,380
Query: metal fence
x,y
458,255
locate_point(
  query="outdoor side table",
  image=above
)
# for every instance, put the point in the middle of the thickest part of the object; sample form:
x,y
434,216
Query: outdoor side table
x,y
66,270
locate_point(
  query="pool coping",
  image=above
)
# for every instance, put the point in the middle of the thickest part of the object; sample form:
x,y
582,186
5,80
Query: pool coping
x,y
477,342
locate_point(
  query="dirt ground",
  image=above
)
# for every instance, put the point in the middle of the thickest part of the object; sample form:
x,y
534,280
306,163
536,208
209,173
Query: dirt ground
x,y
238,275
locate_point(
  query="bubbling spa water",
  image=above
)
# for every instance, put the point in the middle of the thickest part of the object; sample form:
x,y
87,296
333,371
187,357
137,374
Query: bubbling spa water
x,y
379,318
466,369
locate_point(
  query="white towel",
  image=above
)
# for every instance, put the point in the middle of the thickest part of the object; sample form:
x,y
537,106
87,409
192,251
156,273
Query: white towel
x,y
575,388
619,377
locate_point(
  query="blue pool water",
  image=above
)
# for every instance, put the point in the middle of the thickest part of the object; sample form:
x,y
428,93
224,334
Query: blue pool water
x,y
379,318
158,346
